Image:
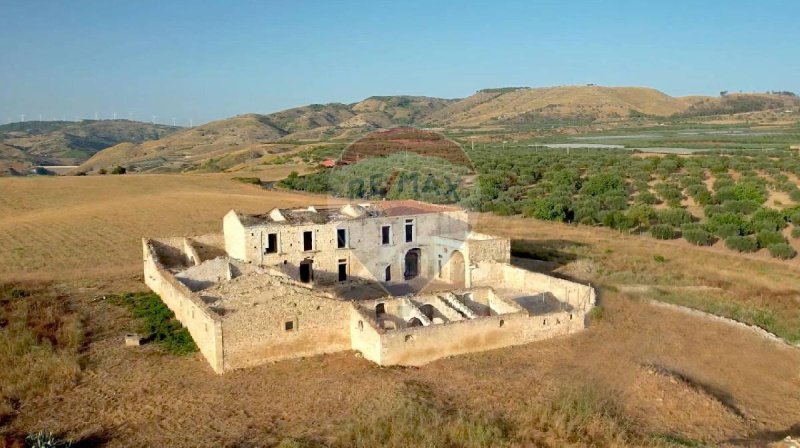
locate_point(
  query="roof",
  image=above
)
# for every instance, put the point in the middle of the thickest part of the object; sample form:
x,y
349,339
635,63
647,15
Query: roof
x,y
348,212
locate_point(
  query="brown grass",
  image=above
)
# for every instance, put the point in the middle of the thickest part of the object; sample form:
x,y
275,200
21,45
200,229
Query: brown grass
x,y
40,338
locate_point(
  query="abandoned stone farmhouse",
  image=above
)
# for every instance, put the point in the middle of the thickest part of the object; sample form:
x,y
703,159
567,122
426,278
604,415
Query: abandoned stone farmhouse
x,y
400,282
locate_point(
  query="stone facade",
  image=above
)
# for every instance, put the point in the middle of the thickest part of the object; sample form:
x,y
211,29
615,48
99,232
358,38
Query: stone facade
x,y
402,282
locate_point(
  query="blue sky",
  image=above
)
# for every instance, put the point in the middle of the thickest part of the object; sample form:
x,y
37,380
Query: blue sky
x,y
204,60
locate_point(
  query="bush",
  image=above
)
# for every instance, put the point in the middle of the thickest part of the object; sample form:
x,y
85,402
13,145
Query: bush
x,y
674,216
102,171
767,238
725,230
741,243
782,251
796,232
774,216
645,197
698,237
663,232
119,170
716,221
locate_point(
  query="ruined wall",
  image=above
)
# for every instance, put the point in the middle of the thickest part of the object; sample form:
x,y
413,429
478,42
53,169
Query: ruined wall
x,y
486,248
203,324
581,297
233,232
365,333
259,334
420,345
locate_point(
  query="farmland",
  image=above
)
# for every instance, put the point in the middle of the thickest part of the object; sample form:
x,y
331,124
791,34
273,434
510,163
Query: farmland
x,y
638,375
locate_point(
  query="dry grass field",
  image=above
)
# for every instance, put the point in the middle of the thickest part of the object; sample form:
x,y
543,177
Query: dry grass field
x,y
640,375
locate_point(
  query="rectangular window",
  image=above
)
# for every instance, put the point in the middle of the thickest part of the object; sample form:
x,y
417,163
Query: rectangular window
x,y
272,244
386,235
308,240
341,238
288,325
388,274
342,270
409,230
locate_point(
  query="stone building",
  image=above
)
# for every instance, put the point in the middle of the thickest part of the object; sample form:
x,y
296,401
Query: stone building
x,y
402,282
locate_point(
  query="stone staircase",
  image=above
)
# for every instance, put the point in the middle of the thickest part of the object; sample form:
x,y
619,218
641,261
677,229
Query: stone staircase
x,y
454,302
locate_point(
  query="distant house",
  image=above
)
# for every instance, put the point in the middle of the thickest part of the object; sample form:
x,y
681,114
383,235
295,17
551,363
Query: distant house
x,y
328,163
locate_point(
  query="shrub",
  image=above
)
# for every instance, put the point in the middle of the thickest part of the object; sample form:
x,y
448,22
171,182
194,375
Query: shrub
x,y
767,214
698,237
743,207
102,171
548,209
119,170
782,251
645,197
796,232
663,232
674,216
659,259
716,221
741,243
725,230
767,238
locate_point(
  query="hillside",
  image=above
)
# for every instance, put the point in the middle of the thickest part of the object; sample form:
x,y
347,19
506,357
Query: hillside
x,y
228,143
587,103
30,143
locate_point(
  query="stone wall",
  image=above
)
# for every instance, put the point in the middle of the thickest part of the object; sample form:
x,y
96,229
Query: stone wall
x,y
298,322
202,323
419,345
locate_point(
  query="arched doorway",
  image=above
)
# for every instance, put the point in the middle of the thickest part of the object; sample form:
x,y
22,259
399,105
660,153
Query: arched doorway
x,y
457,269
414,322
412,264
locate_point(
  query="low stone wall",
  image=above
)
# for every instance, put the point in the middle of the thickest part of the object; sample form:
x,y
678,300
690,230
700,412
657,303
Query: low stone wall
x,y
420,345
202,323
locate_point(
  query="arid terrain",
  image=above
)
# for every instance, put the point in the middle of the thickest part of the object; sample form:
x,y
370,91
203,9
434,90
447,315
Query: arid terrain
x,y
653,375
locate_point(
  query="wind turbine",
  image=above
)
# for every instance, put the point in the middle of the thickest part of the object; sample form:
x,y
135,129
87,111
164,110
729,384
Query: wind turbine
x,y
95,115
22,118
173,121
114,114
154,120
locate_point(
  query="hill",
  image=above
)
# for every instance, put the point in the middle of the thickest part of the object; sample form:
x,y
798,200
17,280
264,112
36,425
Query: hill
x,y
225,143
229,143
26,144
519,106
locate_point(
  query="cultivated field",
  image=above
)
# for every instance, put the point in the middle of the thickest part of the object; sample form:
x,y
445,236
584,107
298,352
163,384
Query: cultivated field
x,y
640,375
